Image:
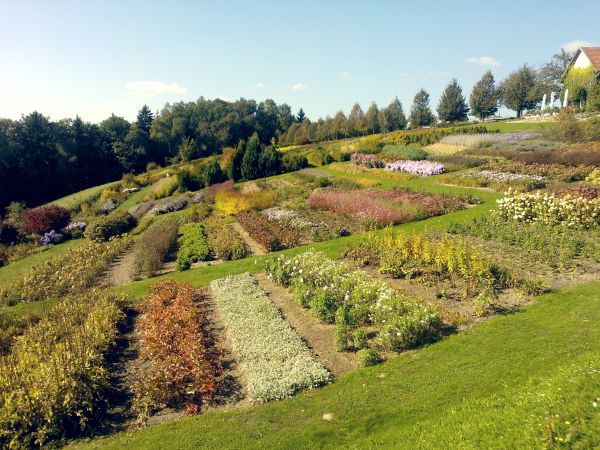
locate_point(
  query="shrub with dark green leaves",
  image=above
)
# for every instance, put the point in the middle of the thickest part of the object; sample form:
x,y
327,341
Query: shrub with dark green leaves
x,y
293,161
404,152
103,228
193,246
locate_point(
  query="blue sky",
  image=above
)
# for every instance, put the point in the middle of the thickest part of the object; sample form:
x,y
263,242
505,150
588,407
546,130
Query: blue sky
x,y
93,58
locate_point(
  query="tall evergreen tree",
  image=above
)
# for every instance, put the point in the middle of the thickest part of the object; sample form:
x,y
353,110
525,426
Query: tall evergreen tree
x,y
270,161
393,116
251,160
301,116
484,97
372,118
145,118
516,90
420,112
234,170
453,106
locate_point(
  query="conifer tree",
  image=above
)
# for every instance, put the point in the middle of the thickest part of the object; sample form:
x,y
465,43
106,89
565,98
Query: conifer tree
x,y
251,161
484,97
234,171
420,113
453,106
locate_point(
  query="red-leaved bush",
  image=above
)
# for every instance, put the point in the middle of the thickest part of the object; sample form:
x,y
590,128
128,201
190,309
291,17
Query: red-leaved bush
x,y
176,344
268,233
376,207
45,218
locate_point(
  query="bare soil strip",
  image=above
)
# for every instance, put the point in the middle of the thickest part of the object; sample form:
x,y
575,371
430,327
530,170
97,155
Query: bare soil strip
x,y
254,246
119,271
232,384
318,336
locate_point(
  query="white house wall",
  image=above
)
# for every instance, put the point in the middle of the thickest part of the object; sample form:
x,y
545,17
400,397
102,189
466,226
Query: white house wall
x,y
582,61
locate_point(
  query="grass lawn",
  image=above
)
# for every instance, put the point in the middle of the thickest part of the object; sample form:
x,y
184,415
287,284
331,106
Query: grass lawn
x,y
71,201
204,275
507,127
478,389
13,270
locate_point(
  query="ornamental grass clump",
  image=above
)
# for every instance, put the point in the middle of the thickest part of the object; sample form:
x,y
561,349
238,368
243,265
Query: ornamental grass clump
x,y
324,286
71,273
275,360
54,382
176,346
568,211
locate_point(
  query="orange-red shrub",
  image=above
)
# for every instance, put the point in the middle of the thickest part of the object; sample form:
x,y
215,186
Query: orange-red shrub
x,y
184,363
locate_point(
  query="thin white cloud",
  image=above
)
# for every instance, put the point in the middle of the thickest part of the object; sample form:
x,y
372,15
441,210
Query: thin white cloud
x,y
574,45
299,87
260,86
149,88
346,76
487,61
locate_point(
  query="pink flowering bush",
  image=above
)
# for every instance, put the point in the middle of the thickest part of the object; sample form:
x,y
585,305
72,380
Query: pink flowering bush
x,y
368,160
382,207
423,168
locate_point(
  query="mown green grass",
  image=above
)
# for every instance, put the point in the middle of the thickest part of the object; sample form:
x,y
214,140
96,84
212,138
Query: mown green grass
x,y
333,248
13,270
71,201
477,389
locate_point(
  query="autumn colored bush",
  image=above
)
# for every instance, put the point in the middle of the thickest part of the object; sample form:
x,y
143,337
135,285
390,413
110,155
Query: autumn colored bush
x,y
175,343
224,241
153,247
268,233
54,382
45,218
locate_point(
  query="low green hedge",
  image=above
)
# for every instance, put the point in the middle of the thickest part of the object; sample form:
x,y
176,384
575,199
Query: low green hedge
x,y
193,246
114,224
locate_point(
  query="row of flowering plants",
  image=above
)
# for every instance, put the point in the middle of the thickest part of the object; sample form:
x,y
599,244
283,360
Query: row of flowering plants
x,y
554,172
268,233
329,287
550,209
377,207
422,168
499,181
368,160
424,255
274,359
71,273
181,360
54,382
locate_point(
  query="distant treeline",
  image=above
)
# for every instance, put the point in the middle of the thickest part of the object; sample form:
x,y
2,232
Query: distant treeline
x,y
41,160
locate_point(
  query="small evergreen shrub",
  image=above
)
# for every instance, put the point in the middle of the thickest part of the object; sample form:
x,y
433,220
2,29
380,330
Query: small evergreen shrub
x,y
114,224
193,246
368,357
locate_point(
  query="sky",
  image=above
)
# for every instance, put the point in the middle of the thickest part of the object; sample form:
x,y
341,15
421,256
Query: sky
x,y
93,58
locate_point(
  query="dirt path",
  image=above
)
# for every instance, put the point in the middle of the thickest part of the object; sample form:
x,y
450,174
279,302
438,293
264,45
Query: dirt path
x,y
254,246
120,270
232,383
318,336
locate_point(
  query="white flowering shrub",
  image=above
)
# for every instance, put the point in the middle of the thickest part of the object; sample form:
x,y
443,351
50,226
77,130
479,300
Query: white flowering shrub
x,y
275,360
323,285
570,211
